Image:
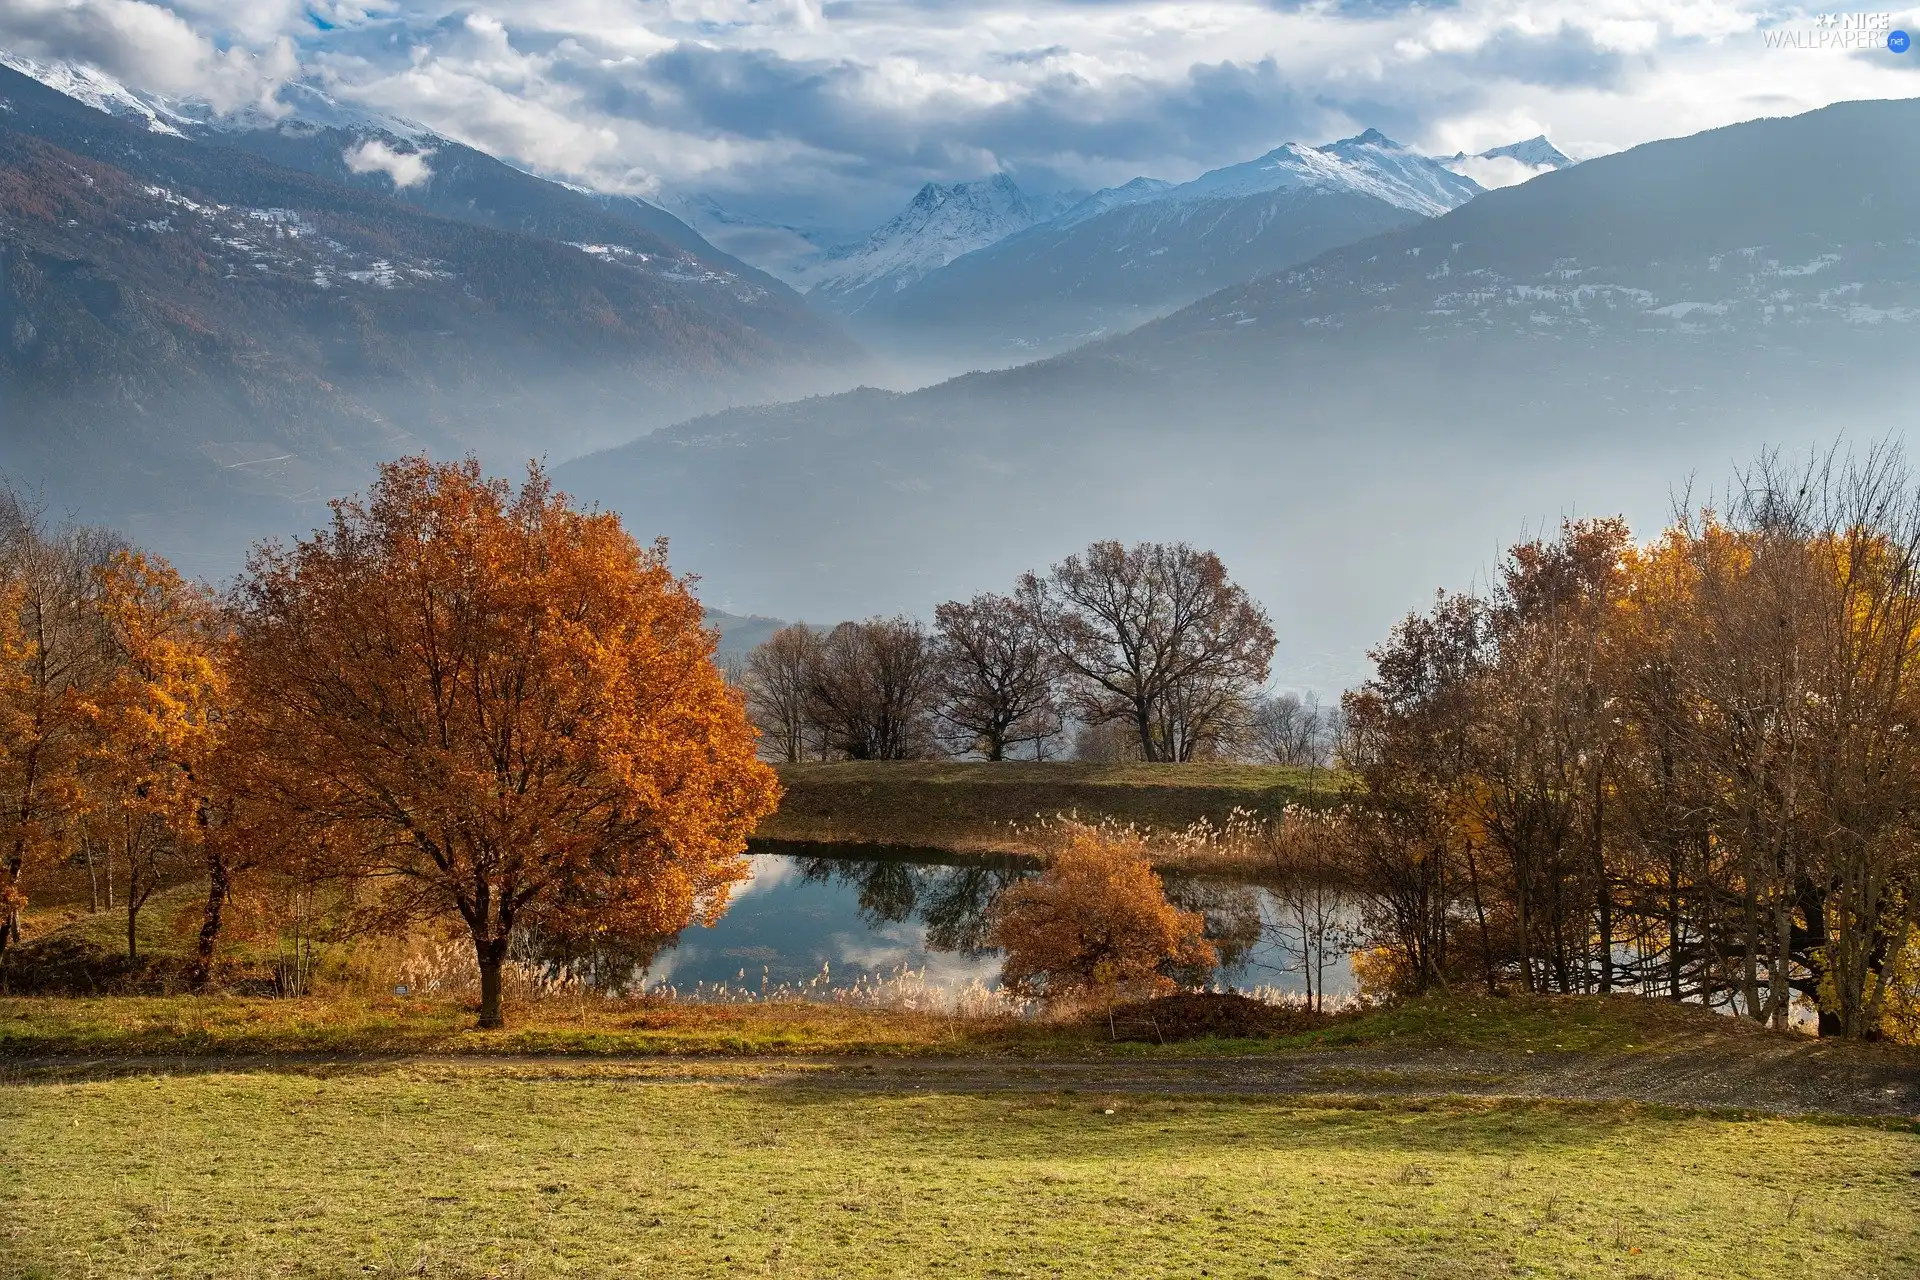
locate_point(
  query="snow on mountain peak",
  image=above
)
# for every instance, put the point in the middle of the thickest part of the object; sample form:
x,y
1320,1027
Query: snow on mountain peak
x,y
1134,192
1535,151
1370,164
1514,163
943,221
100,91
299,104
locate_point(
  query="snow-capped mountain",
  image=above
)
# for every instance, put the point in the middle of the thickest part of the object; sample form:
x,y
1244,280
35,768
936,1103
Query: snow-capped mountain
x,y
298,101
202,336
308,128
942,222
1371,164
1138,191
1128,254
100,91
1342,431
1509,165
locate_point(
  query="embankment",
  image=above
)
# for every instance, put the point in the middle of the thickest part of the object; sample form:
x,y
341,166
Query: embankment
x,y
980,808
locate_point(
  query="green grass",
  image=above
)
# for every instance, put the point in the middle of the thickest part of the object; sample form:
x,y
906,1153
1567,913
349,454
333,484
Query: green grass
x,y
167,924
454,1172
1539,1024
355,1024
975,806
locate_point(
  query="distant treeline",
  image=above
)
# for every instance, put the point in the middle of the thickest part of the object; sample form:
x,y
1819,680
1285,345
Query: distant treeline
x,y
1148,652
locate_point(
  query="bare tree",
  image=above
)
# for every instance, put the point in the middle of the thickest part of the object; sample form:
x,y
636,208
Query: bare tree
x,y
777,679
1291,730
1157,636
872,689
998,676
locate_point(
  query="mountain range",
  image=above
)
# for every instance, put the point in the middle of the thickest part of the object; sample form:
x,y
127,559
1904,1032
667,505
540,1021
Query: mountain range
x,y
1353,429
1347,368
211,330
986,273
1128,254
942,222
1512,164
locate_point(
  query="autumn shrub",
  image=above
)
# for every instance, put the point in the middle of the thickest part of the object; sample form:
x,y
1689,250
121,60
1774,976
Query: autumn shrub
x,y
1096,924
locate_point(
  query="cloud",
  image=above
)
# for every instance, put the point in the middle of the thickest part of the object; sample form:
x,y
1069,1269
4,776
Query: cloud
x,y
151,47
831,112
1497,171
406,168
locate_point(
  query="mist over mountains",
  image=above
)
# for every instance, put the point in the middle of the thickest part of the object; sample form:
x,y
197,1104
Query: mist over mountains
x,y
1351,431
204,341
1356,373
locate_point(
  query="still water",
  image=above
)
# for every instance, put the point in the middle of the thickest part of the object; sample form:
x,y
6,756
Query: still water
x,y
852,916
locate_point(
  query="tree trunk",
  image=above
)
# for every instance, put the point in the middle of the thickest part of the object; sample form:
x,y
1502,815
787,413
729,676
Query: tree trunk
x,y
1143,725
1480,913
133,926
1674,962
492,955
10,922
93,875
1605,887
219,881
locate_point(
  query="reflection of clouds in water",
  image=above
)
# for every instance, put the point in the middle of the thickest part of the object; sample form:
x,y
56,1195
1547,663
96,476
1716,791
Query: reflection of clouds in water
x,y
887,949
765,873
661,970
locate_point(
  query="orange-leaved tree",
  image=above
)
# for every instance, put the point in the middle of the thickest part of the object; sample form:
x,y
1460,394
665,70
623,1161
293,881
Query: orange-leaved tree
x,y
157,715
49,655
1095,922
499,709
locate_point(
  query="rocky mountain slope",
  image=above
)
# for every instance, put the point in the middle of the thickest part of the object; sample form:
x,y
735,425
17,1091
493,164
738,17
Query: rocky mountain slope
x,y
943,221
1128,254
200,343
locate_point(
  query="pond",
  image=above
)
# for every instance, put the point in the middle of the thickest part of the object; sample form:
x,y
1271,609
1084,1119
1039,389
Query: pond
x,y
839,916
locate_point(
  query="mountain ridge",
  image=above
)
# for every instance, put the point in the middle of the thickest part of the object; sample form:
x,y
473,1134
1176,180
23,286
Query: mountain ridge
x,y
1128,254
192,326
1380,414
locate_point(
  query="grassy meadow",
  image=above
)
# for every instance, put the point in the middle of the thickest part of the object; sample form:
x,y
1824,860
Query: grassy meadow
x,y
386,1025
452,1171
975,807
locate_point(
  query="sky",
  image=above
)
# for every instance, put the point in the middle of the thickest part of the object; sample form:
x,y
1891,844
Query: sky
x,y
831,113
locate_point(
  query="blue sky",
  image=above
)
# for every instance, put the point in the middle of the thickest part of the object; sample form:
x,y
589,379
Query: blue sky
x,y
834,111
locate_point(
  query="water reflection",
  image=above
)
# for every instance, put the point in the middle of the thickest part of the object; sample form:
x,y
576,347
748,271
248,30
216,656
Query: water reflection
x,y
949,901
870,916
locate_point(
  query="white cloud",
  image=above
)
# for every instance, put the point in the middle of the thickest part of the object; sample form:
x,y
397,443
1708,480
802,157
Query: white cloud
x,y
152,47
839,110
1497,171
406,168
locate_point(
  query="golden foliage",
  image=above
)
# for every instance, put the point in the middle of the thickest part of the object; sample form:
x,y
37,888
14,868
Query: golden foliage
x,y
502,709
1095,922
157,715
